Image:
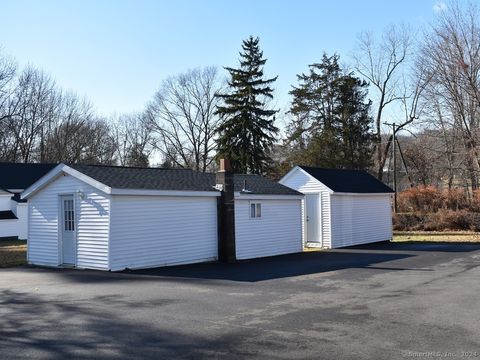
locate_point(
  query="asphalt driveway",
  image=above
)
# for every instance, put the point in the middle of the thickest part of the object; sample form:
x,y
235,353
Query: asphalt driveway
x,y
382,301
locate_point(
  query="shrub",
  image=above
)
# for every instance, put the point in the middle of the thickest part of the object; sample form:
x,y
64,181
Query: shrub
x,y
408,221
475,202
430,199
443,220
455,199
421,198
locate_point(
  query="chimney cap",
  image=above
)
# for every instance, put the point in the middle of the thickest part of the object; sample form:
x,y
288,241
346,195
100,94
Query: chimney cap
x,y
225,165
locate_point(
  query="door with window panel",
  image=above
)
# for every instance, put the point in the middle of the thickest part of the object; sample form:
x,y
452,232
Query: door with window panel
x,y
68,227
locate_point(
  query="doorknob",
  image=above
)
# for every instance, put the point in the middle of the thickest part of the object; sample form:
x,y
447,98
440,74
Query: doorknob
x,y
308,218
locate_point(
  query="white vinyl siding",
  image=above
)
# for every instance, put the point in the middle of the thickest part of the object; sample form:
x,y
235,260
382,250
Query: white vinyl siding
x,y
278,231
22,222
13,227
92,219
5,201
8,228
151,231
360,219
307,184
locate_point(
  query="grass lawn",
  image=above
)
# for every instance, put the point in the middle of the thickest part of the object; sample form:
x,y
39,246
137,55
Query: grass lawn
x,y
13,253
432,236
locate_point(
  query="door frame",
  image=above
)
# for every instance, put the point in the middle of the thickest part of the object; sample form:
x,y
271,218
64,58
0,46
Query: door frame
x,y
319,218
61,224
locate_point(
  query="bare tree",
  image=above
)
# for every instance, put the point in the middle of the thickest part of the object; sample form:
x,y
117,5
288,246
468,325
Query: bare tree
x,y
451,53
381,64
32,104
133,140
40,122
71,132
181,115
8,69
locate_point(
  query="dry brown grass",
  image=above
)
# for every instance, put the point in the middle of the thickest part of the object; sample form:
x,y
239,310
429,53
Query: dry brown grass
x,y
432,236
12,253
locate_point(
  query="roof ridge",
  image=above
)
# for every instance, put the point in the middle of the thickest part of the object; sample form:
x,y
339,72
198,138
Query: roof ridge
x,y
332,169
129,167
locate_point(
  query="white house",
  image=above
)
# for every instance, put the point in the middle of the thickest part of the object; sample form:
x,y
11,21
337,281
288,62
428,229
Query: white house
x,y
14,178
342,207
113,218
8,218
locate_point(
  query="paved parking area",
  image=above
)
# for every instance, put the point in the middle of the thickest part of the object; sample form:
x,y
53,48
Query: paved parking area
x,y
382,301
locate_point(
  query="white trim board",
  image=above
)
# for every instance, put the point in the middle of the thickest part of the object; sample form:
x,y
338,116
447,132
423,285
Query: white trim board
x,y
246,196
140,192
298,168
63,169
58,171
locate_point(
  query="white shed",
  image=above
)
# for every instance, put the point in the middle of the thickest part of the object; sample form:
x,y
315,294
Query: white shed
x,y
113,218
342,207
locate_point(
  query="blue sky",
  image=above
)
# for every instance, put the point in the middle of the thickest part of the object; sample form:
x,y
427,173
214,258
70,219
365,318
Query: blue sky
x,y
116,52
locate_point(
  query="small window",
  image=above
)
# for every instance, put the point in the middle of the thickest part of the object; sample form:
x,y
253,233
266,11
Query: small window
x,y
68,215
255,210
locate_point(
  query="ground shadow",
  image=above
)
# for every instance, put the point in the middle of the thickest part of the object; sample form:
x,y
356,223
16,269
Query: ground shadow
x,y
276,267
34,326
368,256
386,256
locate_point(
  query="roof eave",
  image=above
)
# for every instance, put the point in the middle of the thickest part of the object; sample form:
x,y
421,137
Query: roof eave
x,y
55,173
299,168
255,196
143,192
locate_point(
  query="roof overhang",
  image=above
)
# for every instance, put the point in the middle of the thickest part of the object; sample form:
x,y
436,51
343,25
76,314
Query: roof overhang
x,y
249,196
63,169
298,168
142,192
57,172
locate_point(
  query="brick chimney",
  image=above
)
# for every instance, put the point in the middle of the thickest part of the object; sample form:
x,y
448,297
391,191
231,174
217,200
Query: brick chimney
x,y
226,213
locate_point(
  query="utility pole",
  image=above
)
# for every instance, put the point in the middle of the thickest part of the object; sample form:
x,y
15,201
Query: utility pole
x,y
404,164
394,127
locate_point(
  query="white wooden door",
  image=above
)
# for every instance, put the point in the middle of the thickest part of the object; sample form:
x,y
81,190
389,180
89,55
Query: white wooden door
x,y
312,213
68,227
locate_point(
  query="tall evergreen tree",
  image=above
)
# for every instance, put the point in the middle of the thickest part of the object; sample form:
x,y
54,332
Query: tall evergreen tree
x,y
247,132
332,122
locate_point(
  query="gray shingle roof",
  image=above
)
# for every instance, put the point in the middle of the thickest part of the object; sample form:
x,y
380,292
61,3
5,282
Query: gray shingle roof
x,y
147,178
21,175
256,184
348,181
176,179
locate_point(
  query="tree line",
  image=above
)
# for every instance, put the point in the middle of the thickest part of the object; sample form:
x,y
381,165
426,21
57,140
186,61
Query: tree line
x,y
426,81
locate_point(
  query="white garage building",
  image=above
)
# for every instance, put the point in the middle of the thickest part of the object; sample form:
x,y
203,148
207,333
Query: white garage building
x,y
342,207
113,218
